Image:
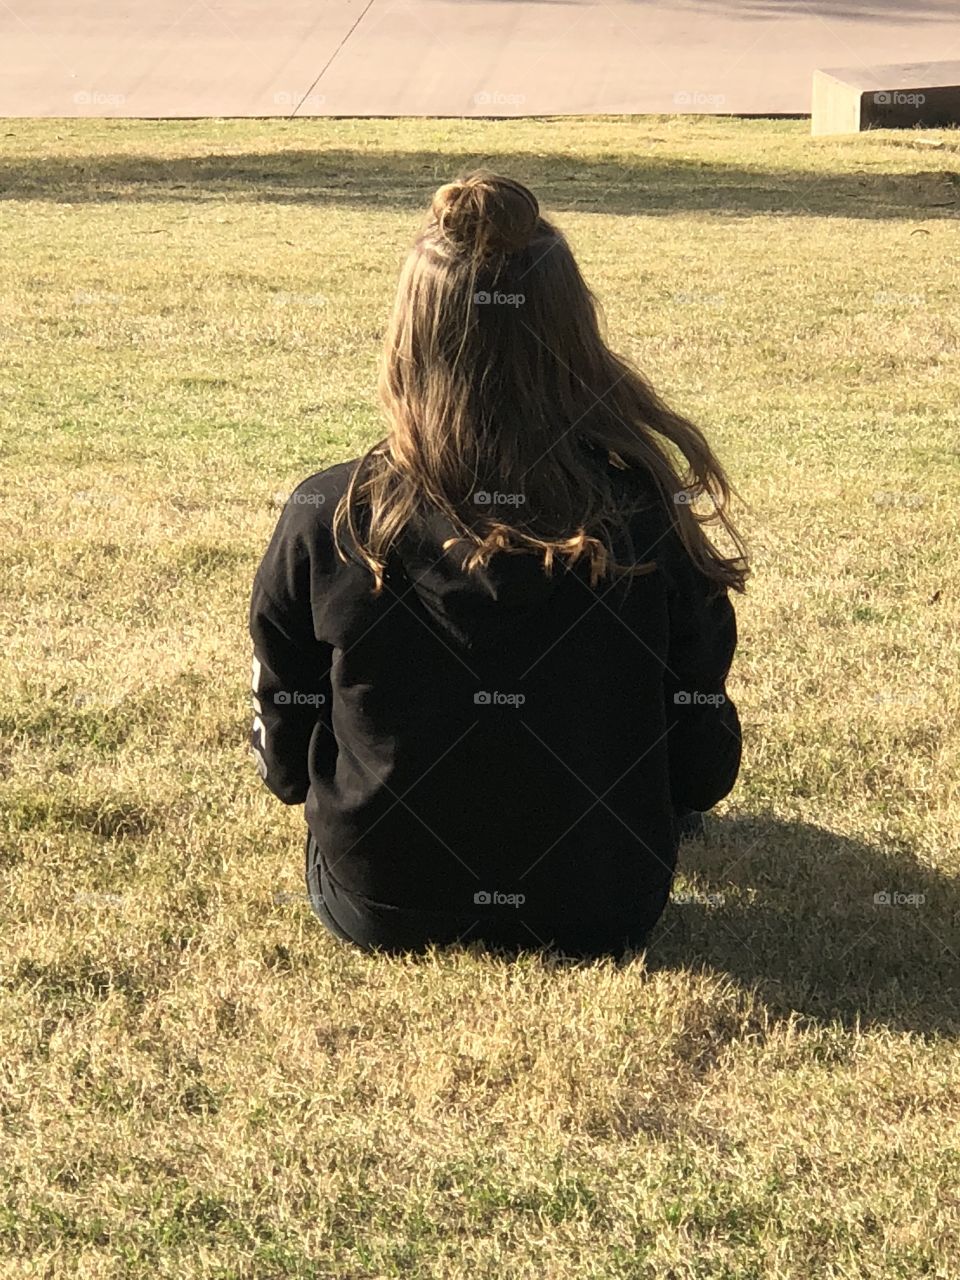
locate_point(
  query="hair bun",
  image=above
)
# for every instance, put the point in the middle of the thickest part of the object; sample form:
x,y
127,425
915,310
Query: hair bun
x,y
486,214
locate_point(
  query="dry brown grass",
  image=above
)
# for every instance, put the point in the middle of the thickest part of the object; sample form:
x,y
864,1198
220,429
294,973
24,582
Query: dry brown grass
x,y
197,1080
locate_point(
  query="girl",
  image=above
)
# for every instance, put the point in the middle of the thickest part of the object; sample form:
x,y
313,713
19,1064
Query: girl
x,y
490,654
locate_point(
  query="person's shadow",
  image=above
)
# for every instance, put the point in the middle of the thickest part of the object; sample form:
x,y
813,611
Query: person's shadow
x,y
829,927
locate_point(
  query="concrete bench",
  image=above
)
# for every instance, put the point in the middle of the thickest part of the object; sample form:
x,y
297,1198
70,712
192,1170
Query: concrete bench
x,y
848,99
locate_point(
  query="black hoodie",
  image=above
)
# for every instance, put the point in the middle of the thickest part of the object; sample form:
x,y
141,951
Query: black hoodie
x,y
497,755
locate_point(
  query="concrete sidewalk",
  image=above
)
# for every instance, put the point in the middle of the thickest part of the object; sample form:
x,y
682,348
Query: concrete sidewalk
x,y
446,57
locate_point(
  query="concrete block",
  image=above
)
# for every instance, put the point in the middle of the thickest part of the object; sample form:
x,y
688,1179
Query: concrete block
x,y
902,96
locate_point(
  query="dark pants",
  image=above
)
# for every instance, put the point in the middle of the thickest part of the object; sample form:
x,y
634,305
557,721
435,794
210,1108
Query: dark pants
x,y
316,895
356,927
357,930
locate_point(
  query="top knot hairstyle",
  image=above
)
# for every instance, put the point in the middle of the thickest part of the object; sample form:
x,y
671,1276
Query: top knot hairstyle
x,y
496,380
486,215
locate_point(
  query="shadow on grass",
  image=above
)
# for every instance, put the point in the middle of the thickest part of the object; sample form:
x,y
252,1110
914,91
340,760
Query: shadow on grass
x,y
823,926
651,184
792,908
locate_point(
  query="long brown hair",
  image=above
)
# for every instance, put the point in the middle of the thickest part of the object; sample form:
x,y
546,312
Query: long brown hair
x,y
498,384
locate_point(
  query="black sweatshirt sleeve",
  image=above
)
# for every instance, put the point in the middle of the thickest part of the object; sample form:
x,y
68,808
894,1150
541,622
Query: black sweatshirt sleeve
x,y
704,736
291,680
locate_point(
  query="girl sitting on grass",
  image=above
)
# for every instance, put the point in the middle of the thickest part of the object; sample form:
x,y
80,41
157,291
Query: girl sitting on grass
x,y
490,654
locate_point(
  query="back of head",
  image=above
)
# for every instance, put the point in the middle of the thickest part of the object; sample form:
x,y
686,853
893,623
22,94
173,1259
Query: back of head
x,y
501,394
485,216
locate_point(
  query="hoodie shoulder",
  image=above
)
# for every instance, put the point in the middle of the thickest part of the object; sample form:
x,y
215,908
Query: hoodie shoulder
x,y
315,499
307,516
302,540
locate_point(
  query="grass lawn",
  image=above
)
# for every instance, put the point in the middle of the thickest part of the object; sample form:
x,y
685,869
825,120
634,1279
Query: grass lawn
x,y
195,1080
